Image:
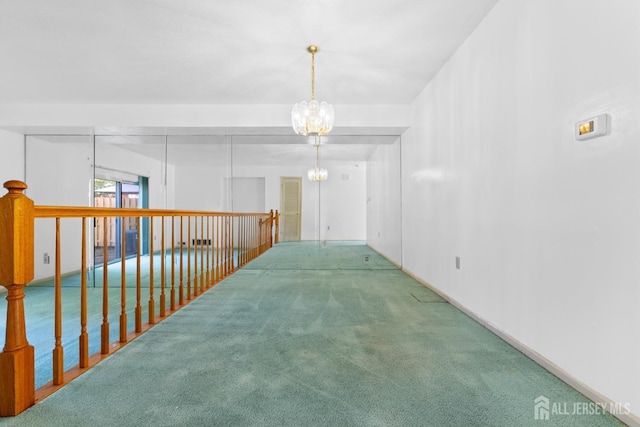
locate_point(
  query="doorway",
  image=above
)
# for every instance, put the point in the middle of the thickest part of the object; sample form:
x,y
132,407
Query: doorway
x,y
290,208
118,194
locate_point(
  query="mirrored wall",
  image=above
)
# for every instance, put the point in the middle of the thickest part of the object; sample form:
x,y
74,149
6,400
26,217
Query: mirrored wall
x,y
231,173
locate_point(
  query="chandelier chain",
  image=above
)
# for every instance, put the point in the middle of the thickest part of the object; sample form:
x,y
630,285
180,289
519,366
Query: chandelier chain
x,y
313,75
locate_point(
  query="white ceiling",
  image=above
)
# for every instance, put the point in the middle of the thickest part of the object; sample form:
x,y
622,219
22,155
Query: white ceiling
x,y
373,52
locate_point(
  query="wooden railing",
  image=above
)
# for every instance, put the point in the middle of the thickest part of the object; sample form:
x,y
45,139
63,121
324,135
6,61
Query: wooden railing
x,y
201,247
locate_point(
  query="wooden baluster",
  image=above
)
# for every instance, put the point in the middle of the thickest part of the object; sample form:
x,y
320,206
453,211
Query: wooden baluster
x,y
195,258
246,237
232,243
214,243
218,247
181,293
202,243
223,247
83,339
162,271
172,303
255,239
261,225
249,237
263,234
214,250
138,309
236,230
58,349
230,260
264,237
123,283
17,377
152,303
271,221
268,233
255,231
188,257
232,252
208,252
255,235
246,231
104,328
225,265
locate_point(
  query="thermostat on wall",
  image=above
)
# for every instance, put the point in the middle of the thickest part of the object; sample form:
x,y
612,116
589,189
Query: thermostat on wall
x,y
593,127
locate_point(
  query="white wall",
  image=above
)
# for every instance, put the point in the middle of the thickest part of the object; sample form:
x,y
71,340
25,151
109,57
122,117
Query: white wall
x,y
343,201
343,197
60,173
11,157
384,204
342,213
547,227
200,187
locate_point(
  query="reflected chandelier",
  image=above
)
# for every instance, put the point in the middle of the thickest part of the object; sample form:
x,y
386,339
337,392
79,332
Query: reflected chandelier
x,y
317,174
313,117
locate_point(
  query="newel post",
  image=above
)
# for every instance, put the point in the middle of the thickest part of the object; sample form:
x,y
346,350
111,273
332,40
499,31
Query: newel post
x,y
277,232
17,377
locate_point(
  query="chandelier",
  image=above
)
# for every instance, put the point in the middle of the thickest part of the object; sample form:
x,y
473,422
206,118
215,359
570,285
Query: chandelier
x,y
312,117
317,173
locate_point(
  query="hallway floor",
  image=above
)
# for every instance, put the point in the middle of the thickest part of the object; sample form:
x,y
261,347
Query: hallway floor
x,y
313,335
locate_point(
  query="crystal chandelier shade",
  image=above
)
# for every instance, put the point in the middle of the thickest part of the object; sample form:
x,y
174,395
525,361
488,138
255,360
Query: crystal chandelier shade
x,y
312,117
317,173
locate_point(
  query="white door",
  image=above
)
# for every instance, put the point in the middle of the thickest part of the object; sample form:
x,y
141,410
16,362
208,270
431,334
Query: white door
x,y
290,207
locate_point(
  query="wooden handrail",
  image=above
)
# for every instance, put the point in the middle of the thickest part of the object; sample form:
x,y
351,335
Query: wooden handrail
x,y
89,212
219,234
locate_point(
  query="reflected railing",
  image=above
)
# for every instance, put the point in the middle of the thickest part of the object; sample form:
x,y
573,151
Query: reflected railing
x,y
188,253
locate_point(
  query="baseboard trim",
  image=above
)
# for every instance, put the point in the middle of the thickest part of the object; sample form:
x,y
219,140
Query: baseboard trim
x,y
395,264
579,386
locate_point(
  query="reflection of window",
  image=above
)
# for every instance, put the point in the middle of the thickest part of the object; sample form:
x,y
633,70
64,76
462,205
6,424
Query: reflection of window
x,y
115,194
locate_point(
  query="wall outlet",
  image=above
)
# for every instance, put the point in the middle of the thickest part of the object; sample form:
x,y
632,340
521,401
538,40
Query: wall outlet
x,y
458,262
46,259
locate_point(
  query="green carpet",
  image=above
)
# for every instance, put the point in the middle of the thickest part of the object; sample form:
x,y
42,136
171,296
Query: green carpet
x,y
313,335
